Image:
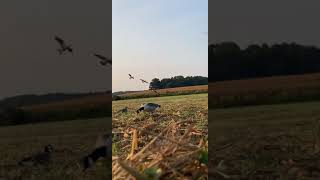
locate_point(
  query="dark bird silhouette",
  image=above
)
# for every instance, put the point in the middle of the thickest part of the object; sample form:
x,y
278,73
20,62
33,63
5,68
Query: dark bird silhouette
x,y
103,150
156,92
40,158
104,60
149,107
63,46
130,76
144,81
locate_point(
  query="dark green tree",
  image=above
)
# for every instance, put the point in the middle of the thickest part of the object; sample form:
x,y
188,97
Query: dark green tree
x,y
155,84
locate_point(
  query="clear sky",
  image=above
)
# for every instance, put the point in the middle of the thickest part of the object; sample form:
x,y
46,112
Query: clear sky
x,y
158,39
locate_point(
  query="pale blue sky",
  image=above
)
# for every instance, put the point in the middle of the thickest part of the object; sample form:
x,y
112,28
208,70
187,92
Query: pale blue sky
x,y
158,39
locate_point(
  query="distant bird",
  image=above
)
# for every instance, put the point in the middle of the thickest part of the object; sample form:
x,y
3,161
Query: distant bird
x,y
63,46
156,92
144,81
40,158
130,76
104,60
148,107
102,149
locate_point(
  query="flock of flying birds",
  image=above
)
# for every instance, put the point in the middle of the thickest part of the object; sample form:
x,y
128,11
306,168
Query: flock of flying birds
x,y
64,47
143,81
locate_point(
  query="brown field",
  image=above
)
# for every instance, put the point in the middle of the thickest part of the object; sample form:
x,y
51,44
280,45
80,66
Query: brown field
x,y
168,91
261,85
276,141
74,104
265,90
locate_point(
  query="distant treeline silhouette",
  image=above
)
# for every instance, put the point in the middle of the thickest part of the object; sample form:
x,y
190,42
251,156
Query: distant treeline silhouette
x,y
32,99
178,81
227,61
11,112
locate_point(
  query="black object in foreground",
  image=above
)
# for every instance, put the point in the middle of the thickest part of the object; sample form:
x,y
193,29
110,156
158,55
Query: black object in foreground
x,y
149,107
103,150
40,158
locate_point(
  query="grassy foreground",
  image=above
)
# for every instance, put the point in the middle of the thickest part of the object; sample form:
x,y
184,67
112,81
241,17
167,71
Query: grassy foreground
x,y
72,140
171,143
267,141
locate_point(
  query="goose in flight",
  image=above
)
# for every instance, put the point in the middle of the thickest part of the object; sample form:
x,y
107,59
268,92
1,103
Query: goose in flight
x,y
144,81
156,92
149,107
130,76
39,158
63,46
104,60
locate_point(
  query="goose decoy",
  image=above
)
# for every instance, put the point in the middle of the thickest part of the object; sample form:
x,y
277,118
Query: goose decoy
x,y
63,46
104,60
103,149
149,107
130,76
40,158
144,81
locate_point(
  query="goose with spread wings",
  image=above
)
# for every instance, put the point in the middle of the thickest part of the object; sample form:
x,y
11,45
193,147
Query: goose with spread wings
x,y
63,46
156,92
104,60
130,76
144,81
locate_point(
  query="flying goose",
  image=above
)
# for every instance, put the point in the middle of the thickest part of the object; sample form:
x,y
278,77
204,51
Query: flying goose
x,y
144,81
63,46
148,107
38,158
130,76
156,92
104,60
103,149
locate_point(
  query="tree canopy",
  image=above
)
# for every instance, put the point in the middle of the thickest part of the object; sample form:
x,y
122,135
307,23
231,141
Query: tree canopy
x,y
227,61
178,81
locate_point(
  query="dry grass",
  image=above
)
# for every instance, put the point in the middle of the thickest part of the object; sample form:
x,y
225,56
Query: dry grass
x,y
170,141
73,104
72,140
267,90
166,92
265,85
265,142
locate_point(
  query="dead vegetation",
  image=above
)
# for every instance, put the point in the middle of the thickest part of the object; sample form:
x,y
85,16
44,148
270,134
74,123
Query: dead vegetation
x,y
280,143
166,92
168,144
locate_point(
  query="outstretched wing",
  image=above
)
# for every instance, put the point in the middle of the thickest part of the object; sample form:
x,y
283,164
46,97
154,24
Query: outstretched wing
x,y
106,62
70,49
100,56
144,81
59,40
109,61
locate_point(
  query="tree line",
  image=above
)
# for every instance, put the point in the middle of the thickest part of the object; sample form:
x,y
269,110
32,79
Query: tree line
x,y
227,61
177,81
